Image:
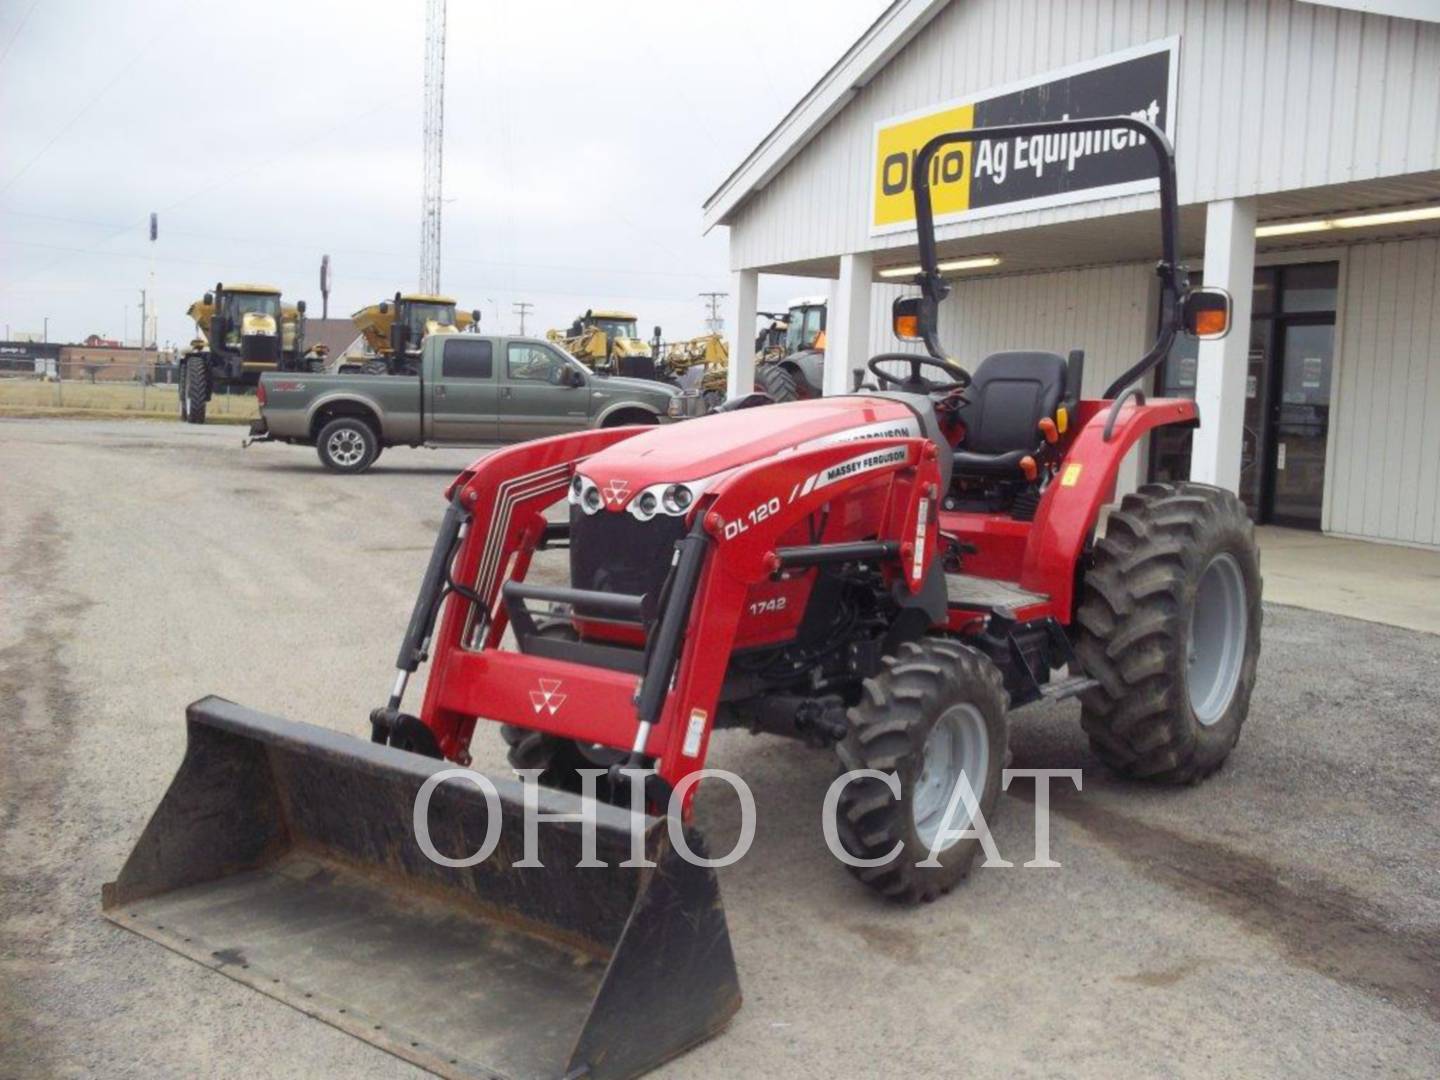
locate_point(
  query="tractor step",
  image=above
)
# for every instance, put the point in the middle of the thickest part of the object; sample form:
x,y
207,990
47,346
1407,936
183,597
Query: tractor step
x,y
1074,686
1002,597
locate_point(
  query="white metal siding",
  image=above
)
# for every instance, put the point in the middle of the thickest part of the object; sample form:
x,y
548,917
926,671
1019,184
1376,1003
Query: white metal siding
x,y
1273,95
1107,311
1104,310
1383,480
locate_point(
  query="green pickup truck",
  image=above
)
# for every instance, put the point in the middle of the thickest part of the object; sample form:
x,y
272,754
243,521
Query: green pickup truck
x,y
472,389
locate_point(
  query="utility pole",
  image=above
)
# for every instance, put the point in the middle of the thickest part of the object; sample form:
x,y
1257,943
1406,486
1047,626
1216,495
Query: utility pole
x,y
716,321
46,334
324,286
521,308
143,313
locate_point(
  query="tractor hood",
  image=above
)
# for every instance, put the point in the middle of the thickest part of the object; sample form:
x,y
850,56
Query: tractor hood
x,y
703,449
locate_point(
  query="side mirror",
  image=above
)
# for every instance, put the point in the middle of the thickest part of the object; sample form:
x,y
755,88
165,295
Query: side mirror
x,y
384,307
1205,313
475,319
209,299
658,335
300,306
905,315
573,377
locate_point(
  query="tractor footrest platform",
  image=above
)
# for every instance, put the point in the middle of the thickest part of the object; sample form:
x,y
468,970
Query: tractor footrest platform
x,y
993,594
1062,689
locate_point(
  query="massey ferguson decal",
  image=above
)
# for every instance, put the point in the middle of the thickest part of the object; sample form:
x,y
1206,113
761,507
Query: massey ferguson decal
x,y
615,492
548,698
876,459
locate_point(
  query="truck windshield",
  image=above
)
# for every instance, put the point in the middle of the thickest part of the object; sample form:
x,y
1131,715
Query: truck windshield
x,y
621,328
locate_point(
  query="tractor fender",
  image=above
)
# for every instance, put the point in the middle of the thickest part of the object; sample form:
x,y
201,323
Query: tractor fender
x,y
1066,517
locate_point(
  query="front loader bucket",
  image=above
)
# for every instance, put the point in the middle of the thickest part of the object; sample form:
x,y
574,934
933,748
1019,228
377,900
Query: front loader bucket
x,y
284,856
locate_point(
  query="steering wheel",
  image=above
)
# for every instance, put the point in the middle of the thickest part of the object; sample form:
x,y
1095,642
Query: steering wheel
x,y
916,383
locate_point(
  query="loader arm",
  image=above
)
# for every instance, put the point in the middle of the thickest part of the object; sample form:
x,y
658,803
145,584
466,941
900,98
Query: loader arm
x,y
664,708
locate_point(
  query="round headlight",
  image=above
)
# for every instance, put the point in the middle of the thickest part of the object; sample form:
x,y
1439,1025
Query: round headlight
x,y
646,505
577,485
592,499
677,497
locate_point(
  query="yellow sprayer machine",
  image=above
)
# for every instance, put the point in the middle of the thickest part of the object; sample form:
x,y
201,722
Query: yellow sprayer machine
x,y
394,329
241,331
608,342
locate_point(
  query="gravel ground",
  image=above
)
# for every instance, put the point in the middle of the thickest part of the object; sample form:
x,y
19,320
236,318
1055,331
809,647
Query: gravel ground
x,y
1281,919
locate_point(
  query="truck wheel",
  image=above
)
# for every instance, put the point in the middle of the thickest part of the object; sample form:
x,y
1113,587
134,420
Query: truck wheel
x,y
347,444
772,379
1169,624
196,390
936,710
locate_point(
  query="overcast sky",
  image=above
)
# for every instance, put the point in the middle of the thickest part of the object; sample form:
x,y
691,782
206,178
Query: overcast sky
x,y
580,140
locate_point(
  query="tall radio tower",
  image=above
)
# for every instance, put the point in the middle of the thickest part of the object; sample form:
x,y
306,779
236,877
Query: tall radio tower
x,y
434,145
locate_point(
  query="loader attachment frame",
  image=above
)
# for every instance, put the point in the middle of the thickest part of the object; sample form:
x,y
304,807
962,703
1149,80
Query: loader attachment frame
x,y
664,712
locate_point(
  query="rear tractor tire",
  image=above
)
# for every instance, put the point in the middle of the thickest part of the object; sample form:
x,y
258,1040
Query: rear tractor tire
x,y
195,391
772,379
347,444
935,711
1169,624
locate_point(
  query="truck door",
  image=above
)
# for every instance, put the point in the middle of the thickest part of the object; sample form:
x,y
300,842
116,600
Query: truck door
x,y
545,393
464,392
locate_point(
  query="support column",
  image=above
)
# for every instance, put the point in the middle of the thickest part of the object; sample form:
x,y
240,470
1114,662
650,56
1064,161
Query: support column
x,y
1223,365
847,326
740,318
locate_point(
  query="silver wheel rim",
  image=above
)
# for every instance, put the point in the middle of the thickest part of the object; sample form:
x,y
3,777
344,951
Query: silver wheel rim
x,y
1217,638
346,447
959,742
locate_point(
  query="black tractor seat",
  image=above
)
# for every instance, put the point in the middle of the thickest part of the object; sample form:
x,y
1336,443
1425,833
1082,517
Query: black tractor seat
x,y
1010,393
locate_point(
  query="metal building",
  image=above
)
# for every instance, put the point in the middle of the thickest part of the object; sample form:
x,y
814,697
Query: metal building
x,y
1307,139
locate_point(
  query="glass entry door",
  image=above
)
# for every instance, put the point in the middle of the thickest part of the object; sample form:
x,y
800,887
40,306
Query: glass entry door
x,y
1300,422
1287,396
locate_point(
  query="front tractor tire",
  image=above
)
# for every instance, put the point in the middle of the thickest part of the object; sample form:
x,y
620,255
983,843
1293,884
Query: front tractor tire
x,y
936,710
347,444
195,391
1169,625
772,379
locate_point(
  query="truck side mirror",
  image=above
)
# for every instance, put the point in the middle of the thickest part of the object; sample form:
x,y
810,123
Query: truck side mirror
x,y
573,377
658,335
1205,313
384,307
209,299
300,306
475,317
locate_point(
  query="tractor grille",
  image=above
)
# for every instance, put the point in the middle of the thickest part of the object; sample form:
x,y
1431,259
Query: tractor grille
x,y
615,553
259,348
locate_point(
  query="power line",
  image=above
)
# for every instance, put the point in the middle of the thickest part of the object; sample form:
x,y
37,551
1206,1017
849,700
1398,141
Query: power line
x,y
23,20
521,307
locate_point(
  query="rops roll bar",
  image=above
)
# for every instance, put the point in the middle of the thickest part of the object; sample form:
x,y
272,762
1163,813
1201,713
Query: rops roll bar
x,y
1174,281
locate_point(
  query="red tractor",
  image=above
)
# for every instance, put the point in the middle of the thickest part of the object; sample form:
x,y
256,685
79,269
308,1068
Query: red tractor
x,y
886,573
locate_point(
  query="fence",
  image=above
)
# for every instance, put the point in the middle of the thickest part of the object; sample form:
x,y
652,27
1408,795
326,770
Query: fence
x,y
112,388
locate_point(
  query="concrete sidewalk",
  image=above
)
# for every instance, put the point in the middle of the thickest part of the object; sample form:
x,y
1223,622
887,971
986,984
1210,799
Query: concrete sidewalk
x,y
1382,583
